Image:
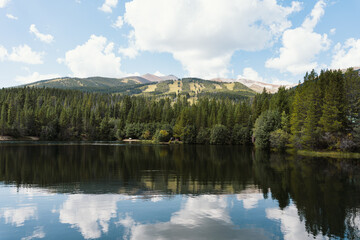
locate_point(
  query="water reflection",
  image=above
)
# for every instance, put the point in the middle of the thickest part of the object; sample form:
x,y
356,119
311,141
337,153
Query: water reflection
x,y
17,216
291,225
201,217
89,213
38,233
250,197
163,191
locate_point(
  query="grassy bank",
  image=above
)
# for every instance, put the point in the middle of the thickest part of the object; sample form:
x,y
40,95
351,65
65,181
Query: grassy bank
x,y
328,154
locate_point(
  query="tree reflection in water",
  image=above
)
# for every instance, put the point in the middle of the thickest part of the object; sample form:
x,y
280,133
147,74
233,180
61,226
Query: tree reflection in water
x,y
326,192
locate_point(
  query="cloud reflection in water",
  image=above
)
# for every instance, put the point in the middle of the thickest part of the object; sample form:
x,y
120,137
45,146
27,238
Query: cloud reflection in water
x,y
17,216
200,217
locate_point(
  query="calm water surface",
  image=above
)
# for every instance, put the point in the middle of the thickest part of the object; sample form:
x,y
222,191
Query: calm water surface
x,y
114,191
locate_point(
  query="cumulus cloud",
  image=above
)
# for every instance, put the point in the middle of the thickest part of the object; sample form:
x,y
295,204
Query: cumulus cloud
x,y
3,53
347,55
38,233
3,3
24,54
91,214
317,12
108,5
34,77
301,45
283,83
291,226
251,74
46,38
10,16
93,58
159,74
133,49
17,216
202,34
119,22
332,31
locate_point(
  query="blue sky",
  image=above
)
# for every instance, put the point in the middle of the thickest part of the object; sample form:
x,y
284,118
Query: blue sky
x,y
266,40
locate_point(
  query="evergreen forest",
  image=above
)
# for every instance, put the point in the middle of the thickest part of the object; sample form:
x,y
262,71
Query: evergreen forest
x,y
322,113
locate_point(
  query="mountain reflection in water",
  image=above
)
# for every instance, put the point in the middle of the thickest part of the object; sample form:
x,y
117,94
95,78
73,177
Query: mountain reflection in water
x,y
172,192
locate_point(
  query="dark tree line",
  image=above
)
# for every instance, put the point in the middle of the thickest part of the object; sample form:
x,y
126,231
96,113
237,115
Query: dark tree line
x,y
54,114
321,113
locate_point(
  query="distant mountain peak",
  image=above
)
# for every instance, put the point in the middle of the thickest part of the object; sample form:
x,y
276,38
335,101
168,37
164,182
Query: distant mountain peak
x,y
254,85
155,78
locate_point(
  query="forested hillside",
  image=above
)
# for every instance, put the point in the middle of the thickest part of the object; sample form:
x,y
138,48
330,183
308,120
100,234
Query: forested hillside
x,y
320,113
140,86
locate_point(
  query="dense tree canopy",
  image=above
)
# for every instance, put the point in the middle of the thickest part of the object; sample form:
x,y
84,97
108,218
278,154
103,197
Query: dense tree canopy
x,y
321,113
54,114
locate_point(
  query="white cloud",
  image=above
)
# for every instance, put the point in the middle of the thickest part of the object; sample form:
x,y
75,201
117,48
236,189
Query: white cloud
x,y
282,83
159,74
347,55
119,22
93,58
25,54
38,233
90,213
332,31
203,35
133,49
3,53
201,217
10,16
301,45
17,216
46,38
291,226
251,74
315,15
3,3
34,77
108,5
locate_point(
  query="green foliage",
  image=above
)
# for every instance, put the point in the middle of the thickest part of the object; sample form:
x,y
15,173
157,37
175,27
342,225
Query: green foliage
x,y
240,135
146,135
324,110
189,134
133,130
279,139
203,136
219,135
162,136
267,122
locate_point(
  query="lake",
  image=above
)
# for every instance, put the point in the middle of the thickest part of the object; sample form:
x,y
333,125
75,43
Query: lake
x,y
132,191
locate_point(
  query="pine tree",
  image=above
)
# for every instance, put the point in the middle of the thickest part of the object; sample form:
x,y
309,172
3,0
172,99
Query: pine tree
x,y
333,110
310,136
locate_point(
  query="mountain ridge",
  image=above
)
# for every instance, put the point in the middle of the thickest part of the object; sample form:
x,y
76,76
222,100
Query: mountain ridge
x,y
106,82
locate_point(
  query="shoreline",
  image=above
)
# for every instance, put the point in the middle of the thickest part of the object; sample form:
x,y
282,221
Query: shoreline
x,y
306,153
25,138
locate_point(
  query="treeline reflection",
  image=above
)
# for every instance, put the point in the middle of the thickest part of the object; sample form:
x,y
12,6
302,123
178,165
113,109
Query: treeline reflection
x,y
326,192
